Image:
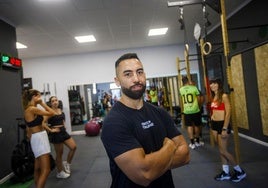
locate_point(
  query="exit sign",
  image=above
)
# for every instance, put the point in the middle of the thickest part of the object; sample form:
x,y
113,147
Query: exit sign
x,y
8,61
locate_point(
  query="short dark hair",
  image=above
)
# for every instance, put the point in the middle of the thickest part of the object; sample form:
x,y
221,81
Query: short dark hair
x,y
126,56
185,80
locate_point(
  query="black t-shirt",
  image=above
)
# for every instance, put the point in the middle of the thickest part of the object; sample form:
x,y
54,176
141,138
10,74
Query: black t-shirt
x,y
125,128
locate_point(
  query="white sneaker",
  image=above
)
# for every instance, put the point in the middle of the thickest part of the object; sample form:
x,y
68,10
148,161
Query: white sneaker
x,y
67,167
62,175
192,146
199,144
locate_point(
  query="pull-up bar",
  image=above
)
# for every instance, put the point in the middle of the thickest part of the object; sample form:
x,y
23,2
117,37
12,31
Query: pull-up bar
x,y
214,4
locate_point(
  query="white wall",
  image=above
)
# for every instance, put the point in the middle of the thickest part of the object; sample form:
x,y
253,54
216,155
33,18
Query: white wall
x,y
62,71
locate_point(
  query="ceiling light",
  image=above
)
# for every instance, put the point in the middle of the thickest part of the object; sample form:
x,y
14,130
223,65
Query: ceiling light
x,y
177,3
20,46
86,38
159,31
51,0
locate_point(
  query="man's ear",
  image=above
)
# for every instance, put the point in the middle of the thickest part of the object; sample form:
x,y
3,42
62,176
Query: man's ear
x,y
117,82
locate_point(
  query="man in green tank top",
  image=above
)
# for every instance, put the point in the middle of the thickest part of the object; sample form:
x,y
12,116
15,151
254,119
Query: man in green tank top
x,y
191,101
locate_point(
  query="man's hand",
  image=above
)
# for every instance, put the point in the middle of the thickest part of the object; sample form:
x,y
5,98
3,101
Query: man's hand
x,y
170,144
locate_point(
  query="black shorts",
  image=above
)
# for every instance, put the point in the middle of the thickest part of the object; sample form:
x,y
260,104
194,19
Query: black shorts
x,y
218,125
193,119
59,137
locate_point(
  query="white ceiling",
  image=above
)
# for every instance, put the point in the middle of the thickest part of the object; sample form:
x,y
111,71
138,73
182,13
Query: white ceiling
x,y
48,28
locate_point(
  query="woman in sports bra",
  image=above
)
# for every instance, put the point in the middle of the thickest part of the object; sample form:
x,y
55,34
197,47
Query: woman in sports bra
x,y
60,138
220,124
33,116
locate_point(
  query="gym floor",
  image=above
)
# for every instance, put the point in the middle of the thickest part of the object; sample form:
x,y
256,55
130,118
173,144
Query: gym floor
x,y
90,166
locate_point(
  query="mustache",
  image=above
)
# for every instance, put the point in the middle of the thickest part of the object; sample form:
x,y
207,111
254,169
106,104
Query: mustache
x,y
137,84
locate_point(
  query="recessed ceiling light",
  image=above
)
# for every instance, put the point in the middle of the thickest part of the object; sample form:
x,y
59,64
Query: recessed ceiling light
x,y
159,31
178,3
51,0
20,46
86,38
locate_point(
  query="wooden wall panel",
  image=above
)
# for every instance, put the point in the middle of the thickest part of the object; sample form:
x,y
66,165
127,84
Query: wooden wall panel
x,y
261,59
239,92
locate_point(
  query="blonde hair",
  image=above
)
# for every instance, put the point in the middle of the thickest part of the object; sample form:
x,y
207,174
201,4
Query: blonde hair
x,y
27,96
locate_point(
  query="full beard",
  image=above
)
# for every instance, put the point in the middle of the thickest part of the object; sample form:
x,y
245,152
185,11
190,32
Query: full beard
x,y
134,94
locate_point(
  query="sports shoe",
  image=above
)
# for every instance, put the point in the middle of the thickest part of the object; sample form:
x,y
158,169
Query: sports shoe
x,y
67,167
192,146
198,144
201,143
238,176
62,175
222,176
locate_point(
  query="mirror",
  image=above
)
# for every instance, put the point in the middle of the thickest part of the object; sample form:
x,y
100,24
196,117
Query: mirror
x,y
88,101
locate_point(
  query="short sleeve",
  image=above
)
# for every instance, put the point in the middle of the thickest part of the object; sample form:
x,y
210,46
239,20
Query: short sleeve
x,y
117,136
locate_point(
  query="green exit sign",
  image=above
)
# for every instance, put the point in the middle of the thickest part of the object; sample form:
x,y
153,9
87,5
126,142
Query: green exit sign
x,y
5,59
